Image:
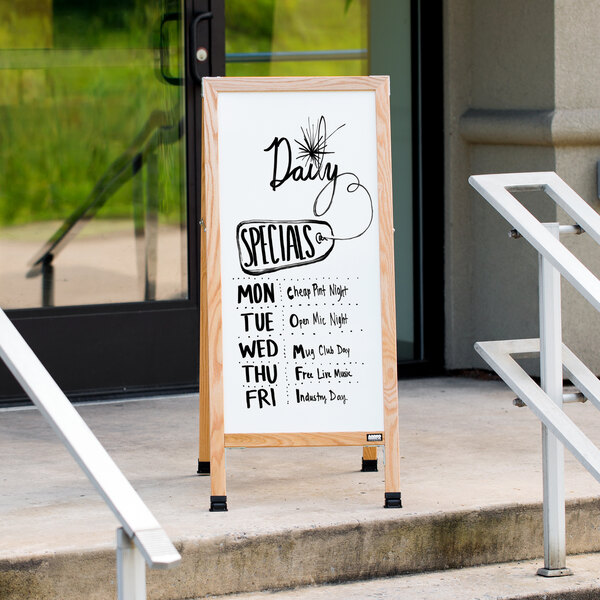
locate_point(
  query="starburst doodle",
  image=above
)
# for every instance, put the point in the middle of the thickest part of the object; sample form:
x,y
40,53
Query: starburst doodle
x,y
313,146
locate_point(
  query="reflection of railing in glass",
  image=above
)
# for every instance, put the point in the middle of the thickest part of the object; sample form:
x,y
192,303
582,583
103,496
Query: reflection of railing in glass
x,y
159,130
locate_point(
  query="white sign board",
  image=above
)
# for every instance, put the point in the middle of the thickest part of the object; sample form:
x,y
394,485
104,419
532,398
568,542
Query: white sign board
x,y
300,262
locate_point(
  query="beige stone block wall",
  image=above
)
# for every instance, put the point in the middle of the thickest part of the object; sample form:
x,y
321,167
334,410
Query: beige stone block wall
x,y
521,94
457,217
576,128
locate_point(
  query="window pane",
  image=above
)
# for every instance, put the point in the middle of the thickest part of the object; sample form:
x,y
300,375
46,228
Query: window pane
x,y
92,179
287,37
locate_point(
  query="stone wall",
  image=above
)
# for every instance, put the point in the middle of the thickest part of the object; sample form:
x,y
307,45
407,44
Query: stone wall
x,y
520,95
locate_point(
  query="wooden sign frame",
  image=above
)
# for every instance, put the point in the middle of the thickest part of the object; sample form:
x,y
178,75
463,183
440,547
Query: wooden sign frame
x,y
213,439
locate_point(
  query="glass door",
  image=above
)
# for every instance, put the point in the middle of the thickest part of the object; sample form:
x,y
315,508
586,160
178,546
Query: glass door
x,y
98,181
367,37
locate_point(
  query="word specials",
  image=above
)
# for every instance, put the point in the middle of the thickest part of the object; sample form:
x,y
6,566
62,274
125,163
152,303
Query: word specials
x,y
267,246
295,344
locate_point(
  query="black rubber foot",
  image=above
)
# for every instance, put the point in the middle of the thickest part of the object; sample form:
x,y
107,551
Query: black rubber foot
x,y
203,467
392,500
218,504
369,466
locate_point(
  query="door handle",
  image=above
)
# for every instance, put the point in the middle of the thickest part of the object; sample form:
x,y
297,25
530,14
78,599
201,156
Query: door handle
x,y
199,46
165,67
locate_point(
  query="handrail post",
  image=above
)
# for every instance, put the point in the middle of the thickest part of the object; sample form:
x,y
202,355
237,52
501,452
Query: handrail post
x,y
552,383
131,569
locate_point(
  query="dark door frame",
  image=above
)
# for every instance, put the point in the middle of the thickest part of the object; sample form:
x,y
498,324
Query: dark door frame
x,y
428,167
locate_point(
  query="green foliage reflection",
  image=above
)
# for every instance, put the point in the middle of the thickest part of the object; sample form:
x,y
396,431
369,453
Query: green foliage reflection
x,y
296,26
75,89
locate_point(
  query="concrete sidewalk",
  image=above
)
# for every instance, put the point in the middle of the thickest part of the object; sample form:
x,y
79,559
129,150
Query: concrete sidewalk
x,y
471,493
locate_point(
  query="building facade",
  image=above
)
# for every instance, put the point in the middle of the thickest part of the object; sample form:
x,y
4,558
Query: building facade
x,y
100,111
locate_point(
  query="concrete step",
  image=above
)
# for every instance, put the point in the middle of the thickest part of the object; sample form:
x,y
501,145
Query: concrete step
x,y
315,555
471,491
507,581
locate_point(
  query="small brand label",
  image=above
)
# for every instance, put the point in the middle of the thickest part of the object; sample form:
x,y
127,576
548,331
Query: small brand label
x,y
374,437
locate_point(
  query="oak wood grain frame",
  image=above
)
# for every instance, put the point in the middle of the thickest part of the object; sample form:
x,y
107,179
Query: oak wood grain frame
x,y
282,440
211,356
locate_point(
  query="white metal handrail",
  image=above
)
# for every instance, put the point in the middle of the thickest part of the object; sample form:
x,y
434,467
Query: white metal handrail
x,y
496,189
546,401
140,536
500,356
